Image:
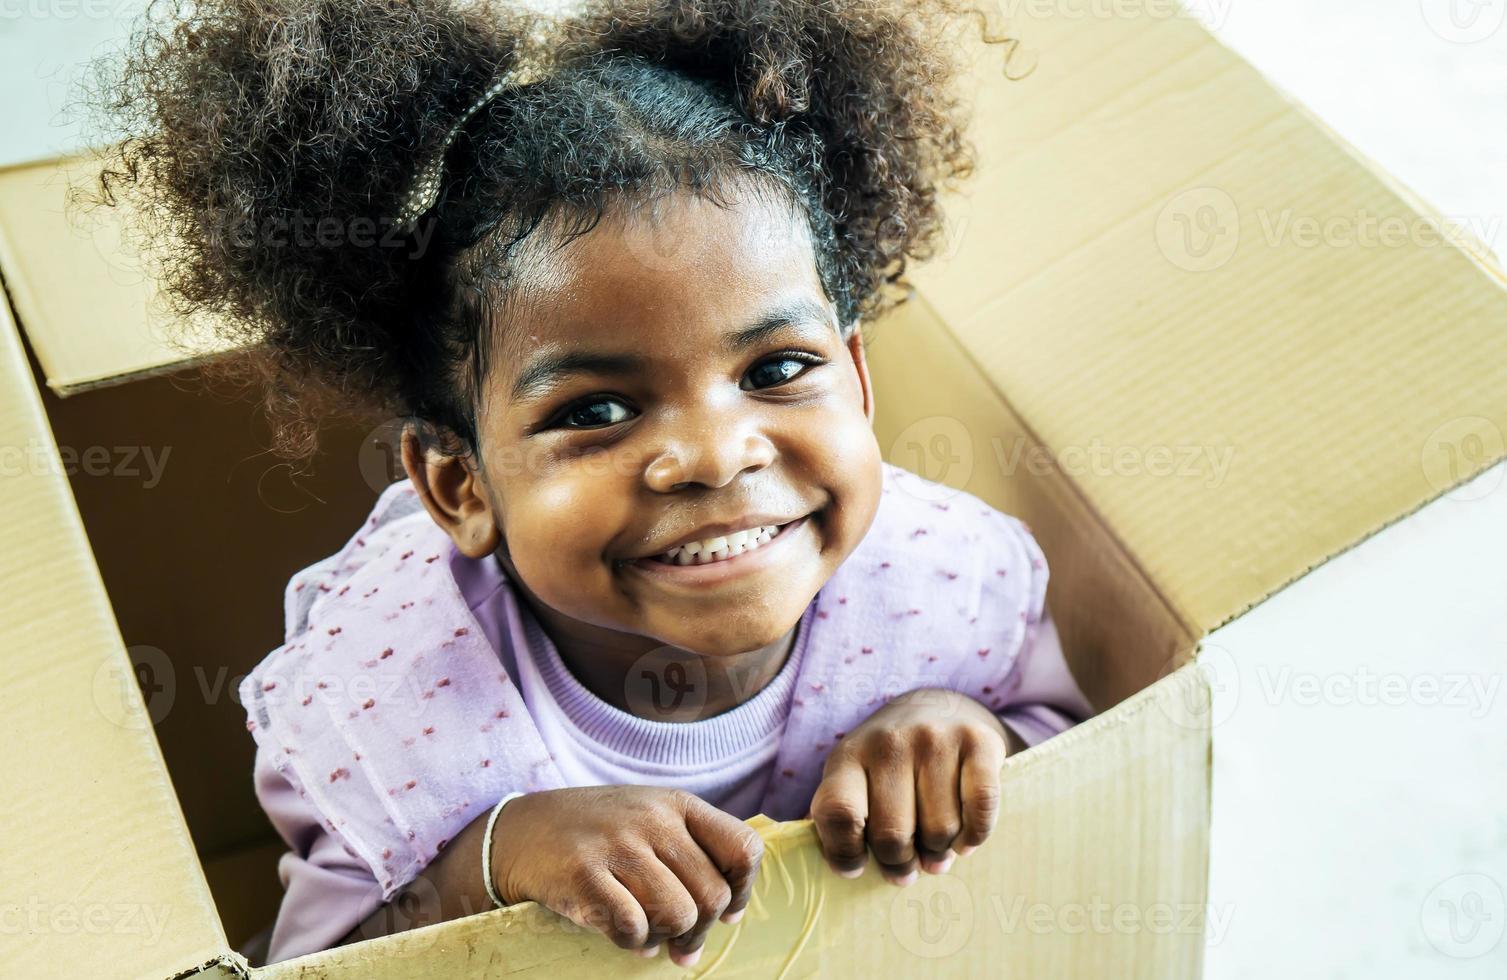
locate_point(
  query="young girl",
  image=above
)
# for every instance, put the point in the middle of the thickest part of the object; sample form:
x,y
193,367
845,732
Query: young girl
x,y
648,575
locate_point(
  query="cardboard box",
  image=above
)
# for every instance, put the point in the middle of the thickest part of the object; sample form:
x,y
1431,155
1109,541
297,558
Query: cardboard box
x,y
1170,330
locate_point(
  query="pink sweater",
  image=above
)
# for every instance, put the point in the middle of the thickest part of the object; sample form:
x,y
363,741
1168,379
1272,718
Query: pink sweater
x,y
414,690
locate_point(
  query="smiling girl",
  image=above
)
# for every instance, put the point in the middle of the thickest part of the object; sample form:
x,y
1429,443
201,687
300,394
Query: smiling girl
x,y
648,574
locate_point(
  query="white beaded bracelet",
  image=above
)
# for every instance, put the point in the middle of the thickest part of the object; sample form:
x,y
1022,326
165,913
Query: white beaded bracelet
x,y
486,851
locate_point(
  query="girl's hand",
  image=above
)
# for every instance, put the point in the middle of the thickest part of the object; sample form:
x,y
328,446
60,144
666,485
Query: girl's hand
x,y
642,864
917,782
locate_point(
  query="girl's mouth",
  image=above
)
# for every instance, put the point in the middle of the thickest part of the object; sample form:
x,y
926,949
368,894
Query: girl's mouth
x,y
722,547
726,556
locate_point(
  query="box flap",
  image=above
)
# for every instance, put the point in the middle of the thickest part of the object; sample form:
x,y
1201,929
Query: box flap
x,y
1056,891
80,294
100,873
1248,348
932,408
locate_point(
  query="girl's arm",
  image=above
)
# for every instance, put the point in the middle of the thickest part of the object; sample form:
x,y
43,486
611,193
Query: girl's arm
x,y
1046,700
326,890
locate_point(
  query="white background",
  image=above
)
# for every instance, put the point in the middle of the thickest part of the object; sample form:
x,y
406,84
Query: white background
x,y
1358,832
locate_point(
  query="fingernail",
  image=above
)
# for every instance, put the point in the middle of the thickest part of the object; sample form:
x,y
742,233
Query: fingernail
x,y
939,867
732,917
902,881
963,850
849,872
686,959
648,951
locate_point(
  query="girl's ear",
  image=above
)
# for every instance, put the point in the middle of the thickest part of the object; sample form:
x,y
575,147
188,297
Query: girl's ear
x,y
855,348
452,491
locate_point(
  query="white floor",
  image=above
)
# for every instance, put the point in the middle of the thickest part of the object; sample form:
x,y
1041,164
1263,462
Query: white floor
x,y
1360,776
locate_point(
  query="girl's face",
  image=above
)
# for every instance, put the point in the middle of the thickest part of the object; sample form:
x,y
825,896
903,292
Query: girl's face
x,y
674,379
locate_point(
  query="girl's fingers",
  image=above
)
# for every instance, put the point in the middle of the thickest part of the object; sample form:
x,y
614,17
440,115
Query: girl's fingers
x,y
609,907
979,787
732,846
667,906
938,810
891,829
708,890
840,810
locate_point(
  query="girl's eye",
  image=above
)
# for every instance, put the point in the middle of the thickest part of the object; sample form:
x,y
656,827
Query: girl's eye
x,y
778,370
594,414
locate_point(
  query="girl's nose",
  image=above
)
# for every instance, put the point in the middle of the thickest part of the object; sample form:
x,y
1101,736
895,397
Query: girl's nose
x,y
712,458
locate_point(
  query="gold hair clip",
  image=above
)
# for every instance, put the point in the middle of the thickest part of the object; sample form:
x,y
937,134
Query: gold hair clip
x,y
425,190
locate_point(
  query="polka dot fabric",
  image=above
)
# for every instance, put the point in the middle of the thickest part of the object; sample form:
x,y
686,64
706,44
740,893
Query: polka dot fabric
x,y
394,718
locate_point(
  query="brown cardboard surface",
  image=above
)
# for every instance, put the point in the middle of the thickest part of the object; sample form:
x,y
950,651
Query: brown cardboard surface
x,y
1347,384
938,415
99,871
90,329
179,519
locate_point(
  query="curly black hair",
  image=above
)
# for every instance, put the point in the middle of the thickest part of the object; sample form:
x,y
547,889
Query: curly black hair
x,y
250,123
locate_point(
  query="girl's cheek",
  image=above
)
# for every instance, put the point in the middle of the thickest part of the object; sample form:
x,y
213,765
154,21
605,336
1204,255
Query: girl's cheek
x,y
849,450
565,522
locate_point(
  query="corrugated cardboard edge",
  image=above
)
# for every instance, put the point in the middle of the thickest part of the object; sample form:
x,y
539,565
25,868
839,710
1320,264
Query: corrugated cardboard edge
x,y
68,371
98,784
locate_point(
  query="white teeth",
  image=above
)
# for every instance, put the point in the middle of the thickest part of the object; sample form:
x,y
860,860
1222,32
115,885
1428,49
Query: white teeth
x,y
722,547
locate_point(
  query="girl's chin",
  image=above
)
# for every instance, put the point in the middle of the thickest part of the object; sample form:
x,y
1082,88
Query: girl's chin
x,y
733,645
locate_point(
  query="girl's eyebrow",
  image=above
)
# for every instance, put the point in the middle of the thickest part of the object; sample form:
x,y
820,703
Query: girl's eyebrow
x,y
546,370
798,313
